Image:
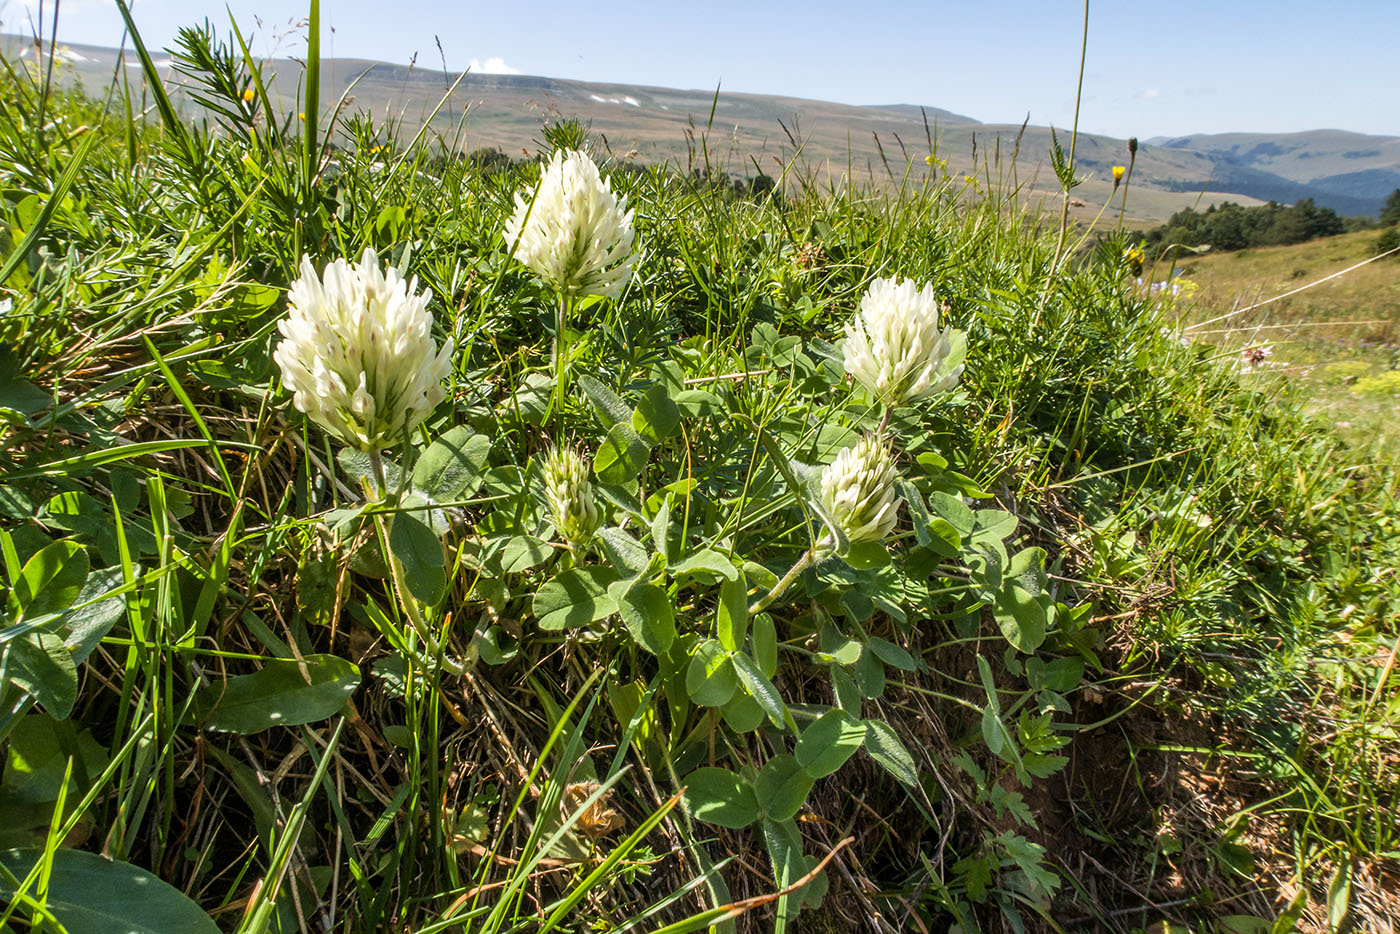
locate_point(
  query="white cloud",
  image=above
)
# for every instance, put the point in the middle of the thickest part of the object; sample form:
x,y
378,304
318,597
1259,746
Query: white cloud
x,y
492,66
1148,94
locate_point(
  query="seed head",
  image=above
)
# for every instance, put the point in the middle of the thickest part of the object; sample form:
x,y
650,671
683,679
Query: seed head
x,y
857,491
570,496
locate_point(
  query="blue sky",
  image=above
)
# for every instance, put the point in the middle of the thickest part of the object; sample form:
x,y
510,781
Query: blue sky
x,y
1153,69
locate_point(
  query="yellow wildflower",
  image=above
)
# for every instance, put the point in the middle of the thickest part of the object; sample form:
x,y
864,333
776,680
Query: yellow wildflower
x,y
248,95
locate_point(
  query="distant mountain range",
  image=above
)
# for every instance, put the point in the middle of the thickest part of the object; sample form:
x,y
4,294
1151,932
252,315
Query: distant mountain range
x,y
1351,173
1348,172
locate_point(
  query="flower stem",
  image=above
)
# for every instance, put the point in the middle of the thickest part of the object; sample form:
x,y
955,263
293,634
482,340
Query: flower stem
x,y
415,615
406,599
561,374
1128,180
802,564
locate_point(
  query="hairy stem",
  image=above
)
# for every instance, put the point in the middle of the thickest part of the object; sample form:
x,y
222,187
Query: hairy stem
x,y
396,575
1127,180
561,374
802,564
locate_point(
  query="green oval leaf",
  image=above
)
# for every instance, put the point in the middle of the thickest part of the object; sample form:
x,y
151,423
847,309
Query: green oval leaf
x,y
646,611
450,469
704,563
575,598
624,552
866,555
92,895
621,456
719,796
50,580
419,550
742,713
891,654
732,617
606,405
698,403
781,787
760,689
39,663
710,679
992,525
826,745
1021,618
886,748
951,509
656,417
764,639
286,692
524,552
790,864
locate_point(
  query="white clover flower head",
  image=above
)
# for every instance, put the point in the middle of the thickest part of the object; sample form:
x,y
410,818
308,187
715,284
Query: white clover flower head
x,y
857,491
893,345
358,354
569,493
574,232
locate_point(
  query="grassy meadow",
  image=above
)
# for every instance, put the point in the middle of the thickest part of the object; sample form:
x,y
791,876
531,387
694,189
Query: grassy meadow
x,y
1332,342
1125,661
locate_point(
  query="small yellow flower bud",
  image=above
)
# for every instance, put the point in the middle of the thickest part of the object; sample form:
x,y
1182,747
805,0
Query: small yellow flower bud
x,y
248,95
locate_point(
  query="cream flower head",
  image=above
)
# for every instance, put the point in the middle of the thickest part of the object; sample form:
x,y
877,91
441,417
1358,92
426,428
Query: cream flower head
x,y
357,352
894,347
574,233
857,491
570,496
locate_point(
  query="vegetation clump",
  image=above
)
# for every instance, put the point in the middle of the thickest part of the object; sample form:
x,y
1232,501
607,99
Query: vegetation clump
x,y
1230,226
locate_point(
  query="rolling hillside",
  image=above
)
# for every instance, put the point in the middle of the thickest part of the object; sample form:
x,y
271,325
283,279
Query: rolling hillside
x,y
1349,172
1342,170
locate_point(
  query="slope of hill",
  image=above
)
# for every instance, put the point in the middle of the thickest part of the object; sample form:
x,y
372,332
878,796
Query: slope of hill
x,y
1348,172
1342,170
1331,340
